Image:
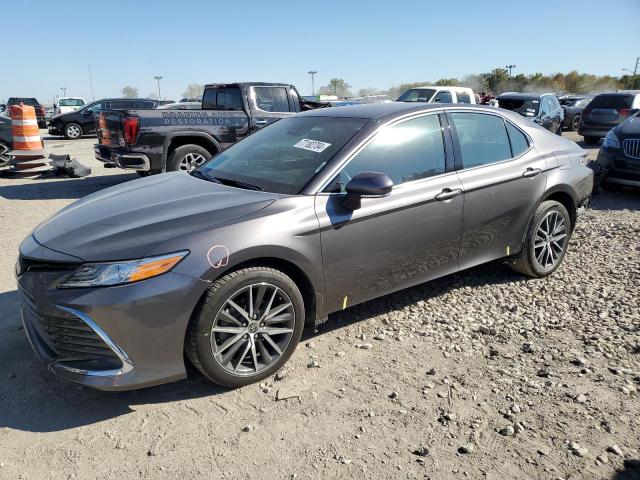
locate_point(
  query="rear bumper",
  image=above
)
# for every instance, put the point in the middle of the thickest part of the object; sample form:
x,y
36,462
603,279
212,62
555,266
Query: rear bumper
x,y
126,160
593,132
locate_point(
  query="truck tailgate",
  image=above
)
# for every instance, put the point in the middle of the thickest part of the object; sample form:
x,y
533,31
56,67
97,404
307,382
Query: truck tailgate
x,y
109,127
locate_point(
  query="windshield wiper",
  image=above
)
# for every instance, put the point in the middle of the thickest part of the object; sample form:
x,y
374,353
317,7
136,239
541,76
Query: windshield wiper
x,y
237,183
204,176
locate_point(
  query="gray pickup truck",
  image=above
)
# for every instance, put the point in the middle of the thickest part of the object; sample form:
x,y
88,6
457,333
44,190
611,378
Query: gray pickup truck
x,y
154,141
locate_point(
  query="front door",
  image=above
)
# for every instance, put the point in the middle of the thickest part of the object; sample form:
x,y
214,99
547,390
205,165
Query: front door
x,y
405,238
503,178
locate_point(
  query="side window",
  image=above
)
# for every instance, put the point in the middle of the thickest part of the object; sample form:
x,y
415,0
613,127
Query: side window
x,y
407,151
483,138
272,99
544,107
225,98
443,96
96,107
519,142
463,97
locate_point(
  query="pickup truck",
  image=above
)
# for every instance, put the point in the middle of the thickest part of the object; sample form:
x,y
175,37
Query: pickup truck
x,y
154,141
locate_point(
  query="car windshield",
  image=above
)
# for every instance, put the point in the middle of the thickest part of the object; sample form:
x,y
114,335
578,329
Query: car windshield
x,y
527,107
70,102
417,95
284,156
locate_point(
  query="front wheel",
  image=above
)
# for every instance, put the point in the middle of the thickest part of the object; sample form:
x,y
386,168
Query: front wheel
x,y
187,158
546,241
575,123
246,326
72,131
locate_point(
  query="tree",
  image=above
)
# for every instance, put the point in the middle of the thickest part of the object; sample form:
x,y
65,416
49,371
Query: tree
x,y
194,90
365,92
451,82
337,86
153,95
129,92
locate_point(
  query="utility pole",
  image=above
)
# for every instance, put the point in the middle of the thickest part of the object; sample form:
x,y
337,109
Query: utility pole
x,y
158,78
93,97
509,67
635,70
64,91
313,88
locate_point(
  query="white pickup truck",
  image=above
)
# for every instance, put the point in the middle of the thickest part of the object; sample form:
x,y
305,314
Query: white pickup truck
x,y
438,94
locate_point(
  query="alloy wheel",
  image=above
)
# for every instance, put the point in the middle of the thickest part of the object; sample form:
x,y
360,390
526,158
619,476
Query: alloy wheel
x,y
551,240
4,155
575,123
73,131
252,329
191,161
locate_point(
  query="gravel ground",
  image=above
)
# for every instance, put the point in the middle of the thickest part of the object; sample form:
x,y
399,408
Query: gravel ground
x,y
480,375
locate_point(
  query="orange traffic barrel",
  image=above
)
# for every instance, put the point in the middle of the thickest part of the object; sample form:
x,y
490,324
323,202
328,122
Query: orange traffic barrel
x,y
24,127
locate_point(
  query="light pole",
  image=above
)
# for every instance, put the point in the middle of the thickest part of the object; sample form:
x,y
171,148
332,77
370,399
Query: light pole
x,y
624,84
313,88
64,91
158,78
509,67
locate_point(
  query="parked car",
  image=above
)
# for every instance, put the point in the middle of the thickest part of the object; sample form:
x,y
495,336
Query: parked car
x,y
74,125
67,104
541,108
438,94
618,162
40,112
573,105
313,214
181,106
3,108
156,141
607,111
6,140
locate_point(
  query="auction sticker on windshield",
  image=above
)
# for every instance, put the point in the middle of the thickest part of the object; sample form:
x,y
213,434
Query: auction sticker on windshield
x,y
312,145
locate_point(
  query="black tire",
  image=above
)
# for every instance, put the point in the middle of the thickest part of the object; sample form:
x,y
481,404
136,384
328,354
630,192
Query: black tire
x,y
4,157
575,123
559,130
198,341
73,131
525,261
177,158
147,173
591,140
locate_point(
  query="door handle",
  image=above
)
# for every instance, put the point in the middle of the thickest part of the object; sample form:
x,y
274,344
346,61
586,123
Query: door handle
x,y
448,194
531,172
261,122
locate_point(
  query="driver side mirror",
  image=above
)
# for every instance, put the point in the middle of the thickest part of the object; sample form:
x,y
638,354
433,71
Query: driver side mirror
x,y
366,184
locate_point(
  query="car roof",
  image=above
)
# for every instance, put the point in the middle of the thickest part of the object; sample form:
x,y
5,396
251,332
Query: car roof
x,y
621,92
523,95
248,84
383,111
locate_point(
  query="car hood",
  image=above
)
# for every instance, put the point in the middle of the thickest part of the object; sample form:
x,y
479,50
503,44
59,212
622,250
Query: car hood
x,y
126,221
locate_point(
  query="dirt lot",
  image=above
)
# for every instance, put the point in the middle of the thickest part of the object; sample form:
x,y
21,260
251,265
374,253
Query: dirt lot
x,y
483,374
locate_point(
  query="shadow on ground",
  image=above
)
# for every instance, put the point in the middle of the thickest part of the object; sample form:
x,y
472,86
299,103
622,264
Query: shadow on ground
x,y
630,471
628,198
60,189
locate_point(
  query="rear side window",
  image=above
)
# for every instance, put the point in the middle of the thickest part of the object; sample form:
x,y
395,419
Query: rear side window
x,y
443,96
463,97
417,95
407,151
272,99
519,142
612,100
483,138
143,104
224,98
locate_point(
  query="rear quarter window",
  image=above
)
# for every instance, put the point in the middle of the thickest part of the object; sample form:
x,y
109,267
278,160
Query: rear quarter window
x,y
463,97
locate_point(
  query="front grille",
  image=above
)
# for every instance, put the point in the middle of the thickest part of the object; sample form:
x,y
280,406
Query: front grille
x,y
631,147
31,265
74,340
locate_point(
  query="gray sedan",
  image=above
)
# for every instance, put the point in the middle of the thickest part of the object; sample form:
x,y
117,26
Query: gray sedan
x,y
308,216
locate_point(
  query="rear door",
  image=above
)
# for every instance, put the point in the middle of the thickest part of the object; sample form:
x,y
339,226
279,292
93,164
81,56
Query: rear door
x,y
502,177
405,238
269,104
225,107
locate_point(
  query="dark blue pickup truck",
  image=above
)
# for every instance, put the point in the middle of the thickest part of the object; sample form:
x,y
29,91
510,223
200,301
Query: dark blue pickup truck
x,y
154,141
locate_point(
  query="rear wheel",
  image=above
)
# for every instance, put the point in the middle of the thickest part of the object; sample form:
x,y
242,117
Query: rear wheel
x,y
575,123
72,131
591,140
546,241
246,326
187,158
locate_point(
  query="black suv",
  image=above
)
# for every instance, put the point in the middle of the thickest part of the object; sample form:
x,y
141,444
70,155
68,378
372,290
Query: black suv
x,y
42,123
541,108
6,140
606,111
74,125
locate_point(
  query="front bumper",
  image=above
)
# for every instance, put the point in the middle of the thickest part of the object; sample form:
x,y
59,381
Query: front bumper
x,y
128,161
142,327
615,167
55,129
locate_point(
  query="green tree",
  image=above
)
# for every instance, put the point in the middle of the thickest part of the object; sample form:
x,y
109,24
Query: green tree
x,y
194,90
452,82
129,92
337,86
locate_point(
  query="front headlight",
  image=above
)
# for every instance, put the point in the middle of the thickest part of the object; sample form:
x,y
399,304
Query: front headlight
x,y
611,141
118,273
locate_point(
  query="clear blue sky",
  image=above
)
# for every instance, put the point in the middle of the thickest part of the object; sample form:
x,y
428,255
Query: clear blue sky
x,y
48,44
